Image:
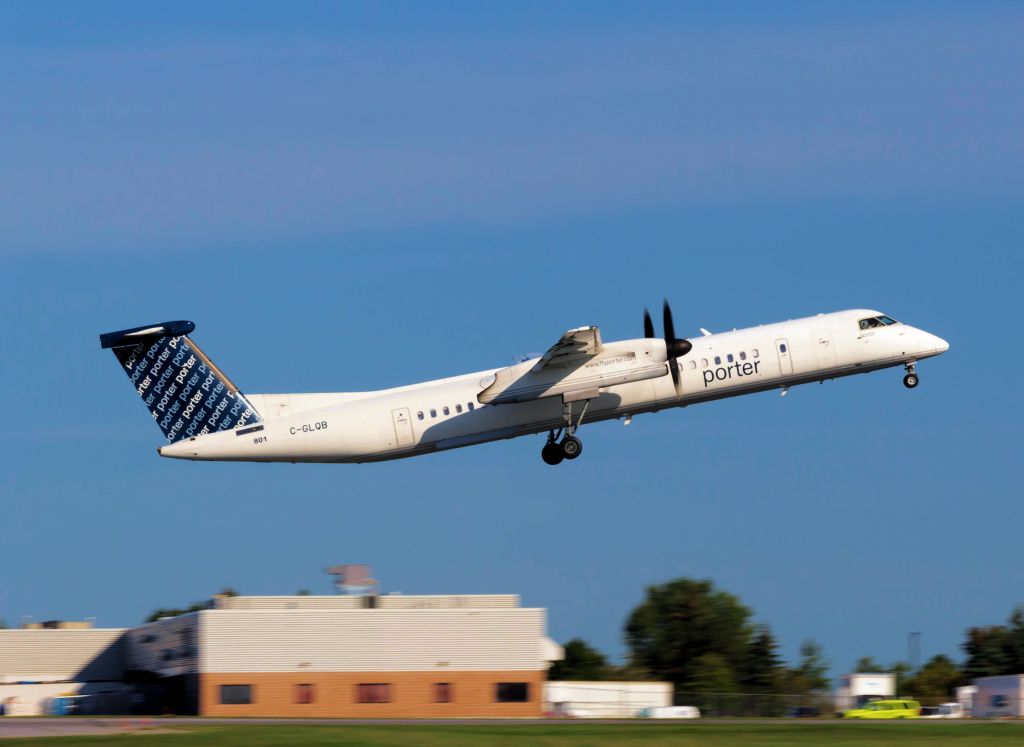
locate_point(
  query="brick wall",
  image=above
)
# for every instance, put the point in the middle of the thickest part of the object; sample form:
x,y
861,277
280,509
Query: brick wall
x,y
411,694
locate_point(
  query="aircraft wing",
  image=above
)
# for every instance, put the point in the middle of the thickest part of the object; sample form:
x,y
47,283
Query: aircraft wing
x,y
576,347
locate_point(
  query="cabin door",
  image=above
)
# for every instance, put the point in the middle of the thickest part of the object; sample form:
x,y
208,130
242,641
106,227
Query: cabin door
x,y
403,426
785,356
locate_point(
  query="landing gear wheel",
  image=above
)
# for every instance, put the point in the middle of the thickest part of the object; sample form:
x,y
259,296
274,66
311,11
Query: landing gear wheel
x,y
572,447
910,380
552,453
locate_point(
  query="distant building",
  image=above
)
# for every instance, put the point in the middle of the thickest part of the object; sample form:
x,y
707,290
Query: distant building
x,y
320,656
999,697
43,662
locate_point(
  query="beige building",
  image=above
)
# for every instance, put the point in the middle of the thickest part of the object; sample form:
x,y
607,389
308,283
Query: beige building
x,y
333,656
51,660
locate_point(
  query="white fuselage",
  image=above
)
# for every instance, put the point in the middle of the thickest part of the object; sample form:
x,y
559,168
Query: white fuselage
x,y
446,413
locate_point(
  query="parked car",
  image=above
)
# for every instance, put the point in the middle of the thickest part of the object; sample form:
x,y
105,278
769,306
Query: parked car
x,y
886,709
946,710
803,712
669,712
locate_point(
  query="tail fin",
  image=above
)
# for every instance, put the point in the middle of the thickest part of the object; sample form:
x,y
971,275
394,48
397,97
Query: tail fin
x,y
187,394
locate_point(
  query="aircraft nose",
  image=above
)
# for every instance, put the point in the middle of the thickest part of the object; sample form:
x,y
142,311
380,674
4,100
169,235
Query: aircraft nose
x,y
936,343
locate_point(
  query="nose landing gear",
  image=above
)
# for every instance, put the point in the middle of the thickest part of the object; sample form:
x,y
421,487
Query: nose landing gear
x,y
910,380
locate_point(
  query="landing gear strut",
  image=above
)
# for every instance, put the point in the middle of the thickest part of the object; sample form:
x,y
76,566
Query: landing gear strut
x,y
910,380
569,447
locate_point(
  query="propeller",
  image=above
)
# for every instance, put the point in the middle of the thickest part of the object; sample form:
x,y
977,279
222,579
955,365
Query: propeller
x,y
674,348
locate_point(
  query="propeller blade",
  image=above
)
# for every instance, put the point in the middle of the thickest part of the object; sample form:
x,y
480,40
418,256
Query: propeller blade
x,y
673,368
648,324
670,328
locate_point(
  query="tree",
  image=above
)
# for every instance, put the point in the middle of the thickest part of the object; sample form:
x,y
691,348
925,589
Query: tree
x,y
680,622
582,662
711,673
162,612
762,670
901,669
936,680
811,674
987,652
869,665
995,649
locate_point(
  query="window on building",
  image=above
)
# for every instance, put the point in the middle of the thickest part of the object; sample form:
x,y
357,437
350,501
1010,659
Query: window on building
x,y
512,692
443,692
235,694
304,694
433,413
374,692
458,408
419,415
729,357
446,411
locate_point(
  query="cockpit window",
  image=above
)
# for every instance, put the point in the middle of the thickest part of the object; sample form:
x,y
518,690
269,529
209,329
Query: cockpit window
x,y
877,321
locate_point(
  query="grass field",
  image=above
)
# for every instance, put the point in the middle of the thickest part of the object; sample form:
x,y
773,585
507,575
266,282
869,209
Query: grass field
x,y
963,734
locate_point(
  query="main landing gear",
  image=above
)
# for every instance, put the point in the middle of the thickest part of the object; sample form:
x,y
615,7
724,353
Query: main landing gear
x,y
910,380
569,447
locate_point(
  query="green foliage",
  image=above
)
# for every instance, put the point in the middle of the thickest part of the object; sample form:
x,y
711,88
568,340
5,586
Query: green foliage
x,y
996,649
813,667
162,612
762,670
711,673
935,681
867,664
582,662
700,638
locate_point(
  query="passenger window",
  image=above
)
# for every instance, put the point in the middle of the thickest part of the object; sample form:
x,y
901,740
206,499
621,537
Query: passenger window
x,y
729,357
433,413
458,408
754,353
743,355
718,360
703,362
693,365
445,410
782,347
419,415
470,406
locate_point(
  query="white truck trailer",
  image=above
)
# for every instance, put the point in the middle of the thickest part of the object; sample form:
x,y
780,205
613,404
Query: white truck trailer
x,y
857,688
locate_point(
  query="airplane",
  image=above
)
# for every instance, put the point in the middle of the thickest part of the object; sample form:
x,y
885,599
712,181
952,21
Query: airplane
x,y
204,416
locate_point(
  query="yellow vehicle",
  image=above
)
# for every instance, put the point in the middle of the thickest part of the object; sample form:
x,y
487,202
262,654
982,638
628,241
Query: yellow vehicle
x,y
886,709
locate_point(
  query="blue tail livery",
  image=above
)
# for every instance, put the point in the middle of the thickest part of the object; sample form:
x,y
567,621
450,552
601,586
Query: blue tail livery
x,y
186,393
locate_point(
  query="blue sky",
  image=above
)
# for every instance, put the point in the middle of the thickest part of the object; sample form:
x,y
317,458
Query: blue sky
x,y
354,197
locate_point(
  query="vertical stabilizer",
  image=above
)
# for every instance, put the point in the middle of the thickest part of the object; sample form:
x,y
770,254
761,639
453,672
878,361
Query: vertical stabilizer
x,y
185,392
